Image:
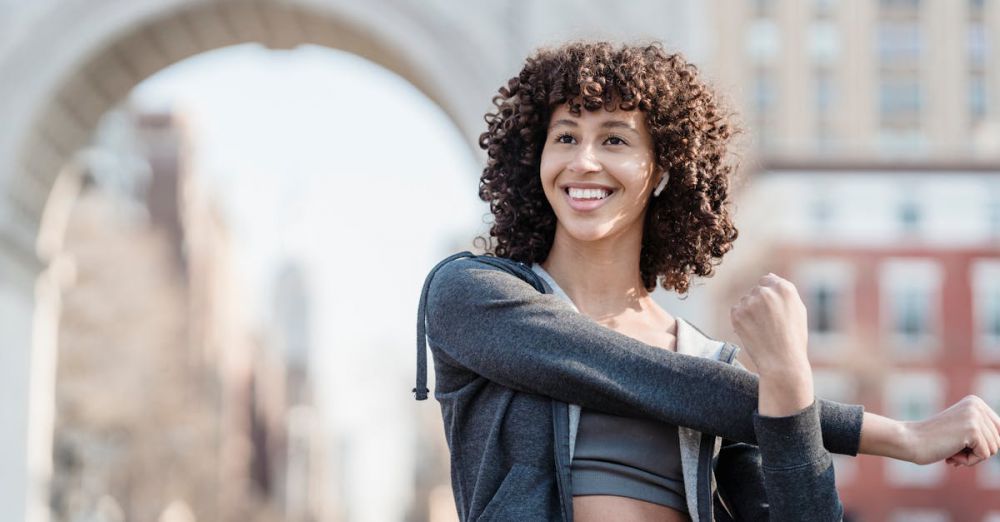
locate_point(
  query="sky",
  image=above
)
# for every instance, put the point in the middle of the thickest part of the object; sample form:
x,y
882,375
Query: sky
x,y
322,157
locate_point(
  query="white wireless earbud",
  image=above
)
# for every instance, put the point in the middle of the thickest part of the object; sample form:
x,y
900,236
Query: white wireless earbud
x,y
663,183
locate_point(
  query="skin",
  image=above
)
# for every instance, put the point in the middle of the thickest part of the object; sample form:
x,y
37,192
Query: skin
x,y
595,259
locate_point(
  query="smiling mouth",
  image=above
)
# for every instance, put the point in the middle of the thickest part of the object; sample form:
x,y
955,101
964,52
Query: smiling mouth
x,y
587,204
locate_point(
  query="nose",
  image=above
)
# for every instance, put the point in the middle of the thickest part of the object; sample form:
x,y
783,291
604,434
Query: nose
x,y
583,160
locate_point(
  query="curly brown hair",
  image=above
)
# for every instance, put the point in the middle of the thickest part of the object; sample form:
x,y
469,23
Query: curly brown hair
x,y
688,228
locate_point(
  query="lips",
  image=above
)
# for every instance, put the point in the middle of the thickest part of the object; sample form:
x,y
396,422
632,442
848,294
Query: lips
x,y
587,186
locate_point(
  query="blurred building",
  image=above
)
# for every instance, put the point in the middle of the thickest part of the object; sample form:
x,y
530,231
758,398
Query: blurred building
x,y
873,184
307,494
899,268
863,79
171,404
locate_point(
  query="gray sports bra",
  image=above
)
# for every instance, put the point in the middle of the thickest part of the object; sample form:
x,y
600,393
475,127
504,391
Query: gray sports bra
x,y
628,457
625,456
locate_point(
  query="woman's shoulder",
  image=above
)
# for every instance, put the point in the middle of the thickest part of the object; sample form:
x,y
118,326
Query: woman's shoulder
x,y
469,271
462,263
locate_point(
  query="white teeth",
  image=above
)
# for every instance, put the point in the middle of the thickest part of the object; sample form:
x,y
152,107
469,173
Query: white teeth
x,y
578,193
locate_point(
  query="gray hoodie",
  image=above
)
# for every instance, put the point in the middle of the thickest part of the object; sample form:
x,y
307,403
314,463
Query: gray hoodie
x,y
510,357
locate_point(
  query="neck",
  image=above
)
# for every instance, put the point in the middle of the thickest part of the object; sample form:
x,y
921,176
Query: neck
x,y
602,278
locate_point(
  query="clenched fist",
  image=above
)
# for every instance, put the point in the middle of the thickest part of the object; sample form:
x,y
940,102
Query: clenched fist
x,y
771,323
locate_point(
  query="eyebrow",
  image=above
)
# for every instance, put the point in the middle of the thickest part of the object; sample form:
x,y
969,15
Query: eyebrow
x,y
609,124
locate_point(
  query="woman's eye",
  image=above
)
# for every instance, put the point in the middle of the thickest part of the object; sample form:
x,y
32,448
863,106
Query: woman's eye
x,y
559,139
614,139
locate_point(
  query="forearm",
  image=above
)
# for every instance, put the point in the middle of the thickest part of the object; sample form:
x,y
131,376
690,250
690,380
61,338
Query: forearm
x,y
798,472
884,437
787,391
496,325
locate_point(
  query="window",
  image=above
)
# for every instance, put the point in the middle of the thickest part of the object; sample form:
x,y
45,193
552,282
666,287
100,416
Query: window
x,y
900,4
910,290
902,142
824,91
988,389
911,396
764,98
899,46
909,215
824,299
821,213
824,42
900,96
977,98
826,288
763,41
994,215
985,286
763,92
762,8
899,43
977,38
976,44
824,8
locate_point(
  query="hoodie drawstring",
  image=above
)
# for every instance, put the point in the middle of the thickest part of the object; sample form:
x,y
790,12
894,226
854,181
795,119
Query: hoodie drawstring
x,y
421,390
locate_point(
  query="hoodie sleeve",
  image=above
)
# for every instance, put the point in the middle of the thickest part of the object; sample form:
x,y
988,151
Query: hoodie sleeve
x,y
488,320
798,472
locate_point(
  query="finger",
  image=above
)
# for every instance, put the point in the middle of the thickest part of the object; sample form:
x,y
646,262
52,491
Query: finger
x,y
966,457
960,459
980,447
994,418
989,429
985,445
990,436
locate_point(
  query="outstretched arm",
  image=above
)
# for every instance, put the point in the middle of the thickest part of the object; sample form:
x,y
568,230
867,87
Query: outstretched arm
x,y
490,321
771,321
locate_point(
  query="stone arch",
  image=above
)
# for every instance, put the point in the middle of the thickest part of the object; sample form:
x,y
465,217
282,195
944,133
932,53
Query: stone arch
x,y
84,58
62,107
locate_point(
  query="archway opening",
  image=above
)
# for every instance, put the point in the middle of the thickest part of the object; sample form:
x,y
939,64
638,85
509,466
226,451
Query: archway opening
x,y
197,193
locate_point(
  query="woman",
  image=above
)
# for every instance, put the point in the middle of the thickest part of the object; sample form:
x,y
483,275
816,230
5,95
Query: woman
x,y
566,392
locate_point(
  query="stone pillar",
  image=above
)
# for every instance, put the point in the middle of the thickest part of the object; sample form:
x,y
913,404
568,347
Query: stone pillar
x,y
28,328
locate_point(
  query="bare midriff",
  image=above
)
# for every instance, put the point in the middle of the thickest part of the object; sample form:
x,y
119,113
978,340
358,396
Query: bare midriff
x,y
600,508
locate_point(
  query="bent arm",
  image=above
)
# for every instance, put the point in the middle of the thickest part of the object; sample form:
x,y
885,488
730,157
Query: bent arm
x,y
491,322
798,472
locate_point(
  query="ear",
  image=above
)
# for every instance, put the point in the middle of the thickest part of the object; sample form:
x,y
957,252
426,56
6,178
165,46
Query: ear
x,y
663,183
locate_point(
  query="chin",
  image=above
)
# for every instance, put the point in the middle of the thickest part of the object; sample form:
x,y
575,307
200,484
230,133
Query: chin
x,y
587,232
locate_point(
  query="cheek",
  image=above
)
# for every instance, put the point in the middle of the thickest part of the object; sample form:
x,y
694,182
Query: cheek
x,y
547,169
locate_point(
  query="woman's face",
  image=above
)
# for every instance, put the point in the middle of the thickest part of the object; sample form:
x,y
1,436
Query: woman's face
x,y
598,170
